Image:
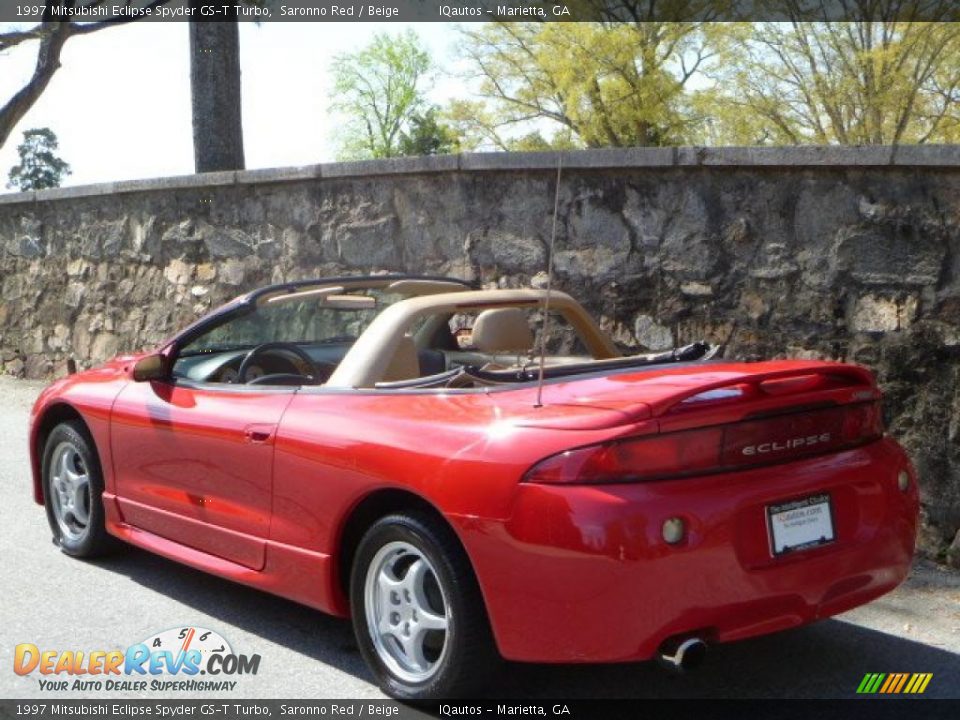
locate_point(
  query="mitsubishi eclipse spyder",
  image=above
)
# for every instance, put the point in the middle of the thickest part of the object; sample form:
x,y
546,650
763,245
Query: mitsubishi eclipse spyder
x,y
481,474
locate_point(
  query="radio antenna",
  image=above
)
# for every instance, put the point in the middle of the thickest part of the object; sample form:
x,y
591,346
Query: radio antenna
x,y
546,300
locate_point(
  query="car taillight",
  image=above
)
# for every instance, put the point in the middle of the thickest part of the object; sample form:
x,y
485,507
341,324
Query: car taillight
x,y
861,422
635,459
714,449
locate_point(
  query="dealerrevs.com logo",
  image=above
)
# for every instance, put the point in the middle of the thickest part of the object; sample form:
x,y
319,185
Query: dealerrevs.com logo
x,y
186,659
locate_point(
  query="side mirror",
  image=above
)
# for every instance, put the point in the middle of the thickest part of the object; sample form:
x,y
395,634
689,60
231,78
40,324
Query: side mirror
x,y
151,367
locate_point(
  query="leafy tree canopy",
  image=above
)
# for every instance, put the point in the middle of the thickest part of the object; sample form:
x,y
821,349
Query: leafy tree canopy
x,y
885,78
857,83
378,90
598,84
39,166
427,134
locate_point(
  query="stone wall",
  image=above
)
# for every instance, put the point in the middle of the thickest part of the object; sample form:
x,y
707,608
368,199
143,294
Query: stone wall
x,y
847,253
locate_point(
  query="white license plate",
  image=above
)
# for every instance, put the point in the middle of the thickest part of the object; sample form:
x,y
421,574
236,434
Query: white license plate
x,y
800,524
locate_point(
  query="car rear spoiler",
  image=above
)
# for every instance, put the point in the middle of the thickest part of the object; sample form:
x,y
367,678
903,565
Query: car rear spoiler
x,y
855,383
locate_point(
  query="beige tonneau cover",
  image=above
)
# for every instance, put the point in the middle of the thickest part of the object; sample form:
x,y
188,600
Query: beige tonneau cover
x,y
367,360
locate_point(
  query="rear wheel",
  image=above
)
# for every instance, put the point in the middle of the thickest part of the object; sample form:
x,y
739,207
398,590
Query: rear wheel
x,y
72,491
417,610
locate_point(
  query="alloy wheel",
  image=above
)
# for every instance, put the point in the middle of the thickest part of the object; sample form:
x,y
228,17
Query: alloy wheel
x,y
70,486
407,613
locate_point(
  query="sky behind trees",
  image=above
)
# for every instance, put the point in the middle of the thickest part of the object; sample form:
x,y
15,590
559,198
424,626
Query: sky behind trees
x,y
120,104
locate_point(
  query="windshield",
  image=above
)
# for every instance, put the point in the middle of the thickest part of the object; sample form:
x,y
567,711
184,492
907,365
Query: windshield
x,y
310,320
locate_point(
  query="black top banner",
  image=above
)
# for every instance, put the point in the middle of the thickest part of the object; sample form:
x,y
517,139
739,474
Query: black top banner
x,y
120,11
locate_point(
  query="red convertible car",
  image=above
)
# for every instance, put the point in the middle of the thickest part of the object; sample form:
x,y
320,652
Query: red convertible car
x,y
385,448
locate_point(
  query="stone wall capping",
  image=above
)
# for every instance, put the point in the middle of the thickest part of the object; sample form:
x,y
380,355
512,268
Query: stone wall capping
x,y
599,158
17,198
179,182
846,156
638,157
511,161
78,191
927,156
804,155
266,176
391,166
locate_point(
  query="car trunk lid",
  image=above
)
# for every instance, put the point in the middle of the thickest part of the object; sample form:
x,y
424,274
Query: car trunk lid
x,y
711,419
678,398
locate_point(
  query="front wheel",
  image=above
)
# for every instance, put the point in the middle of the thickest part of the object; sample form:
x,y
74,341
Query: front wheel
x,y
417,612
72,490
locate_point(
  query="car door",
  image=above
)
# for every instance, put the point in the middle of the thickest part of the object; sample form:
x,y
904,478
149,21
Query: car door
x,y
194,463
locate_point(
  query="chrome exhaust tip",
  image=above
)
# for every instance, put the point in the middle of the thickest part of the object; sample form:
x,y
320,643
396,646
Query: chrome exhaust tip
x,y
682,655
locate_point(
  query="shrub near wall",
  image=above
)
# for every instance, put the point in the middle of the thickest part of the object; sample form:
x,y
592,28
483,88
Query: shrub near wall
x,y
840,253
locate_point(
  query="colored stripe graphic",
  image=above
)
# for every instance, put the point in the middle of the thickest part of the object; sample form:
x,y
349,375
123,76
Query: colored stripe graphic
x,y
920,683
891,680
867,683
894,683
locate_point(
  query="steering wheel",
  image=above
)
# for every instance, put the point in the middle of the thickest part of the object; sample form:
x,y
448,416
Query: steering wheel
x,y
283,349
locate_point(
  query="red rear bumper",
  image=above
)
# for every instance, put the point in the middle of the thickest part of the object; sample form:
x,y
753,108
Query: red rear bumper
x,y
581,574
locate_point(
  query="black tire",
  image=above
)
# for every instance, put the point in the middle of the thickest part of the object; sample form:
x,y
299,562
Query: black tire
x,y
92,540
469,658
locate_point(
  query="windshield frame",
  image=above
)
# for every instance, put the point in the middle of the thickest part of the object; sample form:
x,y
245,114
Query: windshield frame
x,y
246,304
266,319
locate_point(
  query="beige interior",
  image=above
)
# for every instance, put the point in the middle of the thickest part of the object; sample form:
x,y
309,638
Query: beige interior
x,y
287,296
415,286
405,365
350,302
375,356
502,331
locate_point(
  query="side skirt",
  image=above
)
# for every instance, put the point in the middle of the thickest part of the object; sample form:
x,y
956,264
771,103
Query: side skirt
x,y
300,575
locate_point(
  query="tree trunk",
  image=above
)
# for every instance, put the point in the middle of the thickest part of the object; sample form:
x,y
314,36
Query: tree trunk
x,y
215,95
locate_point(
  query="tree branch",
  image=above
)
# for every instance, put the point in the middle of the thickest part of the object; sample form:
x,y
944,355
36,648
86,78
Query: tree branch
x,y
91,27
14,38
48,62
52,34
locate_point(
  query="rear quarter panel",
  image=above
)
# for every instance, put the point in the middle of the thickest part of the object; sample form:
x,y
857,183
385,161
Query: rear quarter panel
x,y
465,453
454,451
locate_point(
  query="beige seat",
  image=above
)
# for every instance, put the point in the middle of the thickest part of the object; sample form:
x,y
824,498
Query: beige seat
x,y
503,331
405,363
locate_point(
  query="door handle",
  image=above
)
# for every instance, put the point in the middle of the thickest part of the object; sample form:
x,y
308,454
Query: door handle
x,y
259,434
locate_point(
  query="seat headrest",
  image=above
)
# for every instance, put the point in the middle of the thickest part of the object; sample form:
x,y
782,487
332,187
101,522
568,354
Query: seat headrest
x,y
504,330
405,363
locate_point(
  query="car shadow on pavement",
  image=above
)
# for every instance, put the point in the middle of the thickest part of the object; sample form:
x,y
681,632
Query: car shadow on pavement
x,y
296,627
824,660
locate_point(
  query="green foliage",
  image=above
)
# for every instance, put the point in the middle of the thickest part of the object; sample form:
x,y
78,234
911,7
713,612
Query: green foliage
x,y
857,83
378,89
473,123
599,84
427,134
39,167
624,81
536,142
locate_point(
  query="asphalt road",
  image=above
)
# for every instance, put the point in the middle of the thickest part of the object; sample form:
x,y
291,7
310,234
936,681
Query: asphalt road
x,y
58,603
